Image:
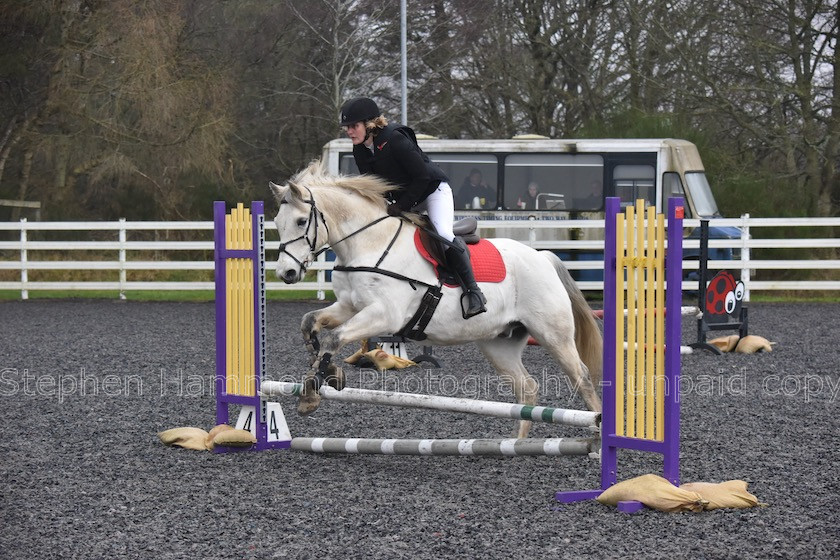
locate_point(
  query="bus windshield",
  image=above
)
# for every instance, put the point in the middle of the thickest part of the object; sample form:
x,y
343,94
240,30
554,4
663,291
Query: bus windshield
x,y
701,194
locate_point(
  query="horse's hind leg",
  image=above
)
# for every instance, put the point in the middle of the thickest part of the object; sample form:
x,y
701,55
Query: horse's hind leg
x,y
560,343
506,356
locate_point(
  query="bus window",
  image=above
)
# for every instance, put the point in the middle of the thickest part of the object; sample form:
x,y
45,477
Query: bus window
x,y
472,178
632,182
554,182
673,187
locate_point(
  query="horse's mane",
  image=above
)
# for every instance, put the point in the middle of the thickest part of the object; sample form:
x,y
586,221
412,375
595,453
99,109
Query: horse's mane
x,y
369,187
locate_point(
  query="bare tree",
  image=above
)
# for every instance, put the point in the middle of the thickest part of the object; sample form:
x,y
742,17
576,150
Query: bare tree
x,y
126,109
530,65
349,52
767,82
153,108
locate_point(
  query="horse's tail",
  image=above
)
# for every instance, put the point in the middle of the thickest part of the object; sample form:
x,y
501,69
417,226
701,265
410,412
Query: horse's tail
x,y
588,337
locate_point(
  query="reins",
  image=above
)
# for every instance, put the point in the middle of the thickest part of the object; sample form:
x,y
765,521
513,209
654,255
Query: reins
x,y
314,215
326,248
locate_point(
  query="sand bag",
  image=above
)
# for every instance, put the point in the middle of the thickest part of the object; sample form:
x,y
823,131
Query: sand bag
x,y
188,438
729,494
209,442
235,438
725,343
359,353
655,492
382,360
751,344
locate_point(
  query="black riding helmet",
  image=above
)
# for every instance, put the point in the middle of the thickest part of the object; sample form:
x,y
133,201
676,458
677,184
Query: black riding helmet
x,y
359,109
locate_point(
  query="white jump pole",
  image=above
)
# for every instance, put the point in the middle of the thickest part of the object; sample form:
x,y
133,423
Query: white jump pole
x,y
497,447
579,418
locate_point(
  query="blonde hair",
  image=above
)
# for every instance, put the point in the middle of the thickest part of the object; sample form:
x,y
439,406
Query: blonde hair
x,y
375,125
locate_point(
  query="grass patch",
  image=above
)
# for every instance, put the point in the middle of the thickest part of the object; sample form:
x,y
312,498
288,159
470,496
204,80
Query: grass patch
x,y
806,296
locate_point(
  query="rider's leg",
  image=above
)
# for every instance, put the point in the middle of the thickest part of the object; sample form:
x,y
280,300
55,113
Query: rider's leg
x,y
458,258
441,209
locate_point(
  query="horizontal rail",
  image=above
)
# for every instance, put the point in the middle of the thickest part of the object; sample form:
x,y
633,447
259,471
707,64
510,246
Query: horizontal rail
x,y
759,285
808,285
107,265
579,418
483,223
462,447
114,285
590,245
691,264
108,245
127,250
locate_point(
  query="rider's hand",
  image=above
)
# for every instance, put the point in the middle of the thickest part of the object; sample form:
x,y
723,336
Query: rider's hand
x,y
394,210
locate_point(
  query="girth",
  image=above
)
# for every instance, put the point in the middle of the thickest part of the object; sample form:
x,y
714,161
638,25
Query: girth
x,y
416,326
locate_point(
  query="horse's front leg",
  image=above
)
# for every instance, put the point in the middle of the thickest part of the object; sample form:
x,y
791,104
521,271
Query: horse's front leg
x,y
326,318
370,321
320,371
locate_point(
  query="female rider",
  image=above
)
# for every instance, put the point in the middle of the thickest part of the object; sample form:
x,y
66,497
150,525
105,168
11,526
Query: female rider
x,y
391,152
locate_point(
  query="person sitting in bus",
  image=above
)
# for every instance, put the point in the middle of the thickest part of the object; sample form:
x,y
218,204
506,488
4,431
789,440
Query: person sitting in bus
x,y
391,152
528,201
591,200
475,189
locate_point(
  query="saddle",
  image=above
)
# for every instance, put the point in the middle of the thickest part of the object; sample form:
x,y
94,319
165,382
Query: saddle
x,y
465,228
487,263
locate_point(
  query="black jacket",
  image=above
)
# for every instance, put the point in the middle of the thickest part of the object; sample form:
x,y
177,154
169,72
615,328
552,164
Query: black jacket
x,y
397,159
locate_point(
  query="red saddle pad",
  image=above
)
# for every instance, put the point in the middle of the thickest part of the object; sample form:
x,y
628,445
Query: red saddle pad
x,y
486,260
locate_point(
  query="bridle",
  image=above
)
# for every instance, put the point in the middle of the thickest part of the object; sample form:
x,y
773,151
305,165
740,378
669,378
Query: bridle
x,y
312,224
316,216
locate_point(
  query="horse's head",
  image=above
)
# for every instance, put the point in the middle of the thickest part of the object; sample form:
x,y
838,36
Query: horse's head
x,y
305,203
302,228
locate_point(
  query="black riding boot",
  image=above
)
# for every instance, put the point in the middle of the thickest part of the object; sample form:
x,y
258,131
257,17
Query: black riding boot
x,y
459,262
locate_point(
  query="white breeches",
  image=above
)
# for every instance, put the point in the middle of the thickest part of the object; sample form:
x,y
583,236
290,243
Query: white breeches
x,y
441,210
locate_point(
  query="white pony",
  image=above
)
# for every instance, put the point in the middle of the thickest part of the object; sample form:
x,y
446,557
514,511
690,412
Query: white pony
x,y
385,285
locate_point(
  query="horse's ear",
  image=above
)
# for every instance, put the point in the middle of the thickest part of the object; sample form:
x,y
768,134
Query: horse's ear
x,y
278,191
295,191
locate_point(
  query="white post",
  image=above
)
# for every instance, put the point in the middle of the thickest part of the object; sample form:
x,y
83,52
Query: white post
x,y
745,255
321,277
532,231
122,258
24,273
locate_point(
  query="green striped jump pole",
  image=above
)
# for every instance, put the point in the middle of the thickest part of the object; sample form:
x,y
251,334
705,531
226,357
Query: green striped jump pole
x,y
579,418
494,447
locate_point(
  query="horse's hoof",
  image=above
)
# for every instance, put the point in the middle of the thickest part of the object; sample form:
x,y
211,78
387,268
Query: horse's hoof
x,y
308,405
335,377
310,399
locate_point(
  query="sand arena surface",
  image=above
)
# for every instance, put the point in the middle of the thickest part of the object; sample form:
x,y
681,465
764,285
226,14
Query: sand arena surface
x,y
86,385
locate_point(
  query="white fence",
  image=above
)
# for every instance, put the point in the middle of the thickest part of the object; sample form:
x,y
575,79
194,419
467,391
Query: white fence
x,y
19,253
